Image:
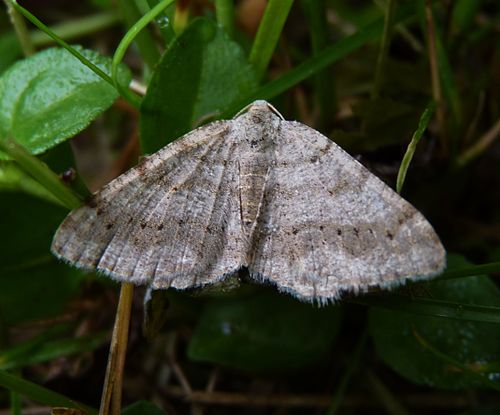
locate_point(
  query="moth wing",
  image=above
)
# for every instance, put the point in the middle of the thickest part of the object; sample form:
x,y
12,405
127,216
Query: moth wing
x,y
328,225
173,220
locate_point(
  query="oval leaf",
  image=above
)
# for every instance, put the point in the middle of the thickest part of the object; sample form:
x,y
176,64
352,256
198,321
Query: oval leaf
x,y
415,345
264,332
51,96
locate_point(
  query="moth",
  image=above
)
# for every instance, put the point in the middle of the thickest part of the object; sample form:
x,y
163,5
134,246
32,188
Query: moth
x,y
258,192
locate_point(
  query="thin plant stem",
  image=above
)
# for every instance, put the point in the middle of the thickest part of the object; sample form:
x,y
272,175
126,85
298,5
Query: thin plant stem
x,y
324,87
268,34
75,28
437,93
127,40
40,394
128,95
471,271
62,43
15,403
384,49
434,308
410,38
112,390
417,135
224,11
451,361
132,12
346,379
385,396
481,145
21,29
41,172
164,21
316,63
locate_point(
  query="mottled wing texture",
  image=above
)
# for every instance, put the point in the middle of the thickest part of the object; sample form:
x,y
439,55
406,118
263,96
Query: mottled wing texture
x,y
173,220
328,225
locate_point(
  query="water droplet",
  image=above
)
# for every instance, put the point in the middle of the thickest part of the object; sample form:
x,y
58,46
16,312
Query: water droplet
x,y
226,328
163,22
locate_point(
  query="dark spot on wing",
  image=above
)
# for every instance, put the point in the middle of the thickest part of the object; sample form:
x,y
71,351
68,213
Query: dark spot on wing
x,y
141,167
339,232
409,212
143,225
325,149
160,226
356,231
389,235
109,226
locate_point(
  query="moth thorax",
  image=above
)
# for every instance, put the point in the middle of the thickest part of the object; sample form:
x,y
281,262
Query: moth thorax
x,y
254,175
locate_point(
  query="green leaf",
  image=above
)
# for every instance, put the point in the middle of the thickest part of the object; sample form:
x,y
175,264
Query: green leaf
x,y
40,394
320,61
464,14
51,96
142,408
412,146
264,332
9,50
434,308
444,353
267,37
12,178
32,283
48,346
202,72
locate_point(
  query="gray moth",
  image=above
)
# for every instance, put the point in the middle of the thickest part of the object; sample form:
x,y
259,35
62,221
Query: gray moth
x,y
258,192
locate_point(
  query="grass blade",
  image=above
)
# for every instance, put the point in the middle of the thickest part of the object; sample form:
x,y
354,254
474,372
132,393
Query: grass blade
x,y
319,62
417,135
268,34
40,394
435,308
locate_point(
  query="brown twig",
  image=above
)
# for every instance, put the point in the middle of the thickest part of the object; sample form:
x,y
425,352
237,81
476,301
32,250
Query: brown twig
x,y
112,390
435,79
481,145
431,400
